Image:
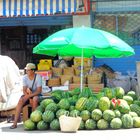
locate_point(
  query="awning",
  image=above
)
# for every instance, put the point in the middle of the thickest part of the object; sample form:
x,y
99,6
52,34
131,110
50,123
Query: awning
x,y
36,21
10,8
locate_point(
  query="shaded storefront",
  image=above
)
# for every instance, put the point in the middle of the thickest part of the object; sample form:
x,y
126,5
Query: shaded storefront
x,y
24,23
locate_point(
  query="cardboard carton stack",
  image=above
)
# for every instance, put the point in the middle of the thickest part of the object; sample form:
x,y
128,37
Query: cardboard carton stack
x,y
94,81
71,76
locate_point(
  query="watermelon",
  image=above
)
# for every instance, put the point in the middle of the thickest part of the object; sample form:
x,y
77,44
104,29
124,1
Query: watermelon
x,y
102,124
36,116
48,116
29,125
136,122
117,113
45,102
109,92
96,114
127,121
135,108
108,115
86,92
57,95
104,103
113,103
85,115
41,125
123,106
81,103
61,112
71,108
64,104
75,91
137,102
74,113
72,100
132,94
52,107
116,123
82,125
90,124
40,108
65,94
119,92
129,99
92,103
133,114
55,125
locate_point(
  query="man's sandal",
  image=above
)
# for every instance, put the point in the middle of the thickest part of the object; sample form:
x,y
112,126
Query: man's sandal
x,y
13,126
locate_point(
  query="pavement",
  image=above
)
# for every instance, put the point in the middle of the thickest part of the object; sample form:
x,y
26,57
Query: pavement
x,y
20,134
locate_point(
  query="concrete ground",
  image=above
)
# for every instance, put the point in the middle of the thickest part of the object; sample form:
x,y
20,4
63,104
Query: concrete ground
x,y
20,134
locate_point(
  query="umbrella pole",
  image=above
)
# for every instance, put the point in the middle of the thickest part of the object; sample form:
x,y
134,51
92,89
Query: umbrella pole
x,y
82,64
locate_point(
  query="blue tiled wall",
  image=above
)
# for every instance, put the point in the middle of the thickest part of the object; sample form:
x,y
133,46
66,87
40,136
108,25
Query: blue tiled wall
x,y
121,64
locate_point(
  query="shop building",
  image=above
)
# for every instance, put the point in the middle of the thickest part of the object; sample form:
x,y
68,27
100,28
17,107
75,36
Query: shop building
x,y
24,23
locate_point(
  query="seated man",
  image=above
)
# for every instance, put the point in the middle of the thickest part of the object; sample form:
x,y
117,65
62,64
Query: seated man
x,y
32,87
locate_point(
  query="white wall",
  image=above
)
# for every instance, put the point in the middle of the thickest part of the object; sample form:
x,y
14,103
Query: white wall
x,y
81,20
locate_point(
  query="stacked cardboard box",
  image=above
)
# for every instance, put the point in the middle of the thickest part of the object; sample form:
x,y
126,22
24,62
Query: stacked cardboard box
x,y
94,82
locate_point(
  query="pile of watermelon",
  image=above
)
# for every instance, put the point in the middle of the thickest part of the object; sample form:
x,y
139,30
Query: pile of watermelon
x,y
110,109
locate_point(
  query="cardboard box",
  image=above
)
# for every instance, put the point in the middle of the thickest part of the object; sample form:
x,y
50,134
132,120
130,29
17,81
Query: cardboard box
x,y
77,80
73,86
96,87
65,78
54,82
68,71
94,79
86,61
57,71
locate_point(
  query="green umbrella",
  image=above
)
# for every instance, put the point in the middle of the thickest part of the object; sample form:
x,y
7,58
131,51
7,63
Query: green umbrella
x,y
84,42
95,42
